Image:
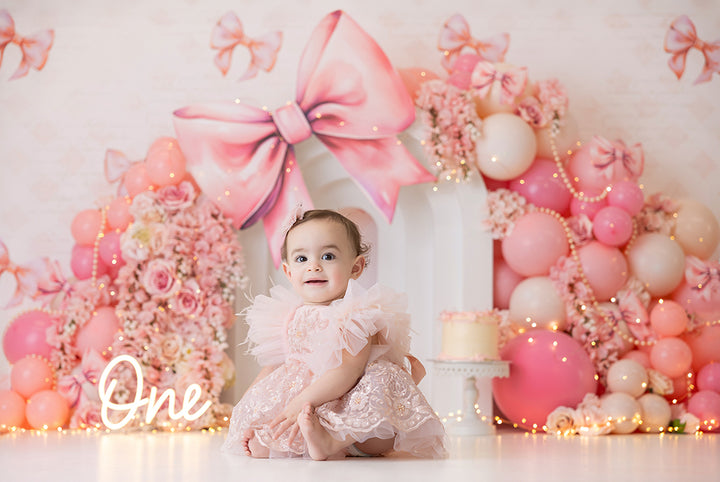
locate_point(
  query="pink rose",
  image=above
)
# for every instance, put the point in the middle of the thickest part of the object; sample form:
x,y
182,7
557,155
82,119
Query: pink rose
x,y
561,421
87,415
532,112
553,96
187,300
175,198
158,278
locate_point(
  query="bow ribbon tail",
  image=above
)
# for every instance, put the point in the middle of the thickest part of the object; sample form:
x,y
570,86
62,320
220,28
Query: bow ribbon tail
x,y
379,167
711,52
291,192
34,52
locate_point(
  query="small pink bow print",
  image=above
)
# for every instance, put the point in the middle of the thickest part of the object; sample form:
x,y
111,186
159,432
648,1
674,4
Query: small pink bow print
x,y
512,82
228,33
455,36
615,160
703,276
81,384
34,47
635,316
116,166
680,38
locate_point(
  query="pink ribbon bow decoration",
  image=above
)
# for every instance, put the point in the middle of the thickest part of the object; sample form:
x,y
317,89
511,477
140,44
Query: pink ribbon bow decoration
x,y
40,279
81,384
455,36
512,82
228,33
635,315
702,276
34,48
116,166
680,38
615,160
347,94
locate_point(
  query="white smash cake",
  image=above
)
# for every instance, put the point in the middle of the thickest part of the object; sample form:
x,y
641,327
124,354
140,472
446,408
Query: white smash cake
x,y
469,335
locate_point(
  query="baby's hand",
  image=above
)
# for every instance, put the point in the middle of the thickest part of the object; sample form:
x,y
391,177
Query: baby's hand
x,y
287,420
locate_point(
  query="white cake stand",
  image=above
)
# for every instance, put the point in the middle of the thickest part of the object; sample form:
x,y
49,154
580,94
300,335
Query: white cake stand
x,y
476,393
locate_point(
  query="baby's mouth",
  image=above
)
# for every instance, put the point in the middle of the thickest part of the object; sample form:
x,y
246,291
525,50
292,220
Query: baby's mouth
x,y
315,281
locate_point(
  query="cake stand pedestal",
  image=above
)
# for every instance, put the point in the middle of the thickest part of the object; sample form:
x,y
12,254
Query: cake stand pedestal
x,y
476,394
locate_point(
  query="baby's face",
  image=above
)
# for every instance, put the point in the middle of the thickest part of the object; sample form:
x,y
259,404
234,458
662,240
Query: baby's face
x,y
321,261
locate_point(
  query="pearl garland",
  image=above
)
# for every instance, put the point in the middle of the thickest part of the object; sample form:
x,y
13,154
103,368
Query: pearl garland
x,y
96,246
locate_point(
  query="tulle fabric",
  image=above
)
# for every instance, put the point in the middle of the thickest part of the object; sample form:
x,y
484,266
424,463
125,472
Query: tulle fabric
x,y
308,340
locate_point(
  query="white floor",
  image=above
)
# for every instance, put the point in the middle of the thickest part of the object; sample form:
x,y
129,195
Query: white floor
x,y
511,455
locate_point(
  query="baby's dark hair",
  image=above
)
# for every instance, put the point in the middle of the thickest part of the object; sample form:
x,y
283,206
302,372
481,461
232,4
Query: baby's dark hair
x,y
351,228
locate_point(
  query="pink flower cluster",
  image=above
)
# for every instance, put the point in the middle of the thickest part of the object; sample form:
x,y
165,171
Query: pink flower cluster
x,y
453,127
588,418
549,104
657,215
505,207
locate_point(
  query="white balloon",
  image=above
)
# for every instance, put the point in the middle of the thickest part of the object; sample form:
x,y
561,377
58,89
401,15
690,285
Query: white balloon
x,y
506,148
623,411
658,262
627,376
536,303
656,413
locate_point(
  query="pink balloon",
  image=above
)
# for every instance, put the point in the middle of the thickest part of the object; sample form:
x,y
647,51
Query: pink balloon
x,y
165,162
465,63
118,213
27,335
85,226
605,268
12,409
137,179
639,356
627,195
535,244
98,333
109,249
542,185
547,369
590,209
705,405
671,356
588,177
708,378
30,375
704,344
692,299
81,262
504,282
47,410
612,226
668,318
682,387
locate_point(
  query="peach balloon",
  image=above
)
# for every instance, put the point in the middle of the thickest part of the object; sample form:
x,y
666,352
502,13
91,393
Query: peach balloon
x,y
414,77
696,229
656,413
535,303
605,268
658,262
30,375
565,141
137,179
623,411
668,318
535,243
12,409
507,147
639,356
708,378
118,213
493,103
705,405
671,357
627,376
704,344
47,410
165,162
98,333
504,282
583,173
85,226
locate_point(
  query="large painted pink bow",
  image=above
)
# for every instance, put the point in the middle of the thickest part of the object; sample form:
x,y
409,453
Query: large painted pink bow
x,y
702,276
228,33
34,48
81,384
347,94
680,38
615,160
512,82
455,36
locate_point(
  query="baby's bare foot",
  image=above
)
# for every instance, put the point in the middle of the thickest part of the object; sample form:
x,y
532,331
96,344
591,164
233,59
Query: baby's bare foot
x,y
320,443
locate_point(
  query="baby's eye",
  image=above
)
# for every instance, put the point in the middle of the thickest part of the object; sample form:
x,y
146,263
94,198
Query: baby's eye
x,y
328,257
300,259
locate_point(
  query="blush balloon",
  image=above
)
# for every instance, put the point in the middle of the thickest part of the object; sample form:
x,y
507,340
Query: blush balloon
x,y
605,268
708,378
612,226
668,318
704,344
27,335
85,226
504,282
705,405
658,262
696,229
81,263
109,249
535,244
628,196
535,303
639,356
507,147
47,410
137,180
165,162
98,333
30,375
671,357
118,213
542,185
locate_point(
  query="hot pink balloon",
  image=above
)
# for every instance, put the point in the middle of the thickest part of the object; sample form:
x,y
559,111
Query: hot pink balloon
x,y
165,162
30,375
137,179
85,226
542,185
535,244
605,268
118,213
708,378
504,282
671,356
705,405
98,333
590,209
668,318
12,409
626,195
47,410
612,226
547,369
704,344
109,249
27,335
81,262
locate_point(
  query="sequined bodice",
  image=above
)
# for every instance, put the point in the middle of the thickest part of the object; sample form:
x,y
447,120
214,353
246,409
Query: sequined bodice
x,y
309,320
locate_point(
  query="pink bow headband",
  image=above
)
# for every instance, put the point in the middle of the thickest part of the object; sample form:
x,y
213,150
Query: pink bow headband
x,y
680,38
34,47
348,95
455,36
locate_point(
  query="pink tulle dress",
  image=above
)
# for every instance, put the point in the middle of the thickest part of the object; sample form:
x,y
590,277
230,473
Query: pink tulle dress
x,y
307,340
